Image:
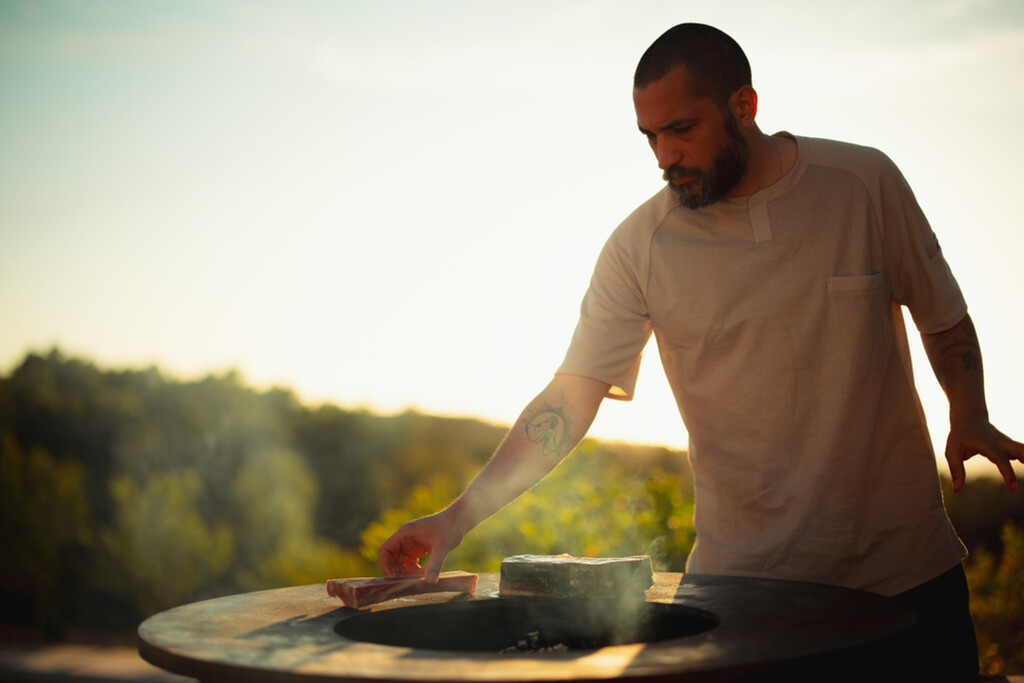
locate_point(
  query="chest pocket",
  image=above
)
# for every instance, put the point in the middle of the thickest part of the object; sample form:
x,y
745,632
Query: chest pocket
x,y
853,284
858,310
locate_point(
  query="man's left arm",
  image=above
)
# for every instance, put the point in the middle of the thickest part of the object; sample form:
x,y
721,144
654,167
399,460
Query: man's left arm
x,y
955,356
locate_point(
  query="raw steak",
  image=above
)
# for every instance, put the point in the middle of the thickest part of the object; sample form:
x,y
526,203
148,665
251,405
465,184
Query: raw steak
x,y
575,577
361,592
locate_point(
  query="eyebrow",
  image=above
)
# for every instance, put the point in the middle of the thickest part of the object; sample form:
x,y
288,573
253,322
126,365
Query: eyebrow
x,y
684,121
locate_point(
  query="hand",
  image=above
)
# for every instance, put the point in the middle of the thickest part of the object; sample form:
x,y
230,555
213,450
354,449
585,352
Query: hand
x,y
400,554
977,436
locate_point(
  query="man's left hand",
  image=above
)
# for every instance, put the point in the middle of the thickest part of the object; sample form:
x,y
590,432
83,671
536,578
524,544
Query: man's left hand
x,y
977,436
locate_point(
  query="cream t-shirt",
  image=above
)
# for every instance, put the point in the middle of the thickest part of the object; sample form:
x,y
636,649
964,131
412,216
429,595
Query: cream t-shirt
x,y
778,321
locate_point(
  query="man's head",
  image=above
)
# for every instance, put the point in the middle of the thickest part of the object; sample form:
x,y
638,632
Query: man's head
x,y
715,62
691,91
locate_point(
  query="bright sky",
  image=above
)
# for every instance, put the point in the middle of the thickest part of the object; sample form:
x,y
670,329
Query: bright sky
x,y
393,204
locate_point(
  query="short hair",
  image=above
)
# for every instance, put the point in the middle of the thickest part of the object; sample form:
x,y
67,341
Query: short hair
x,y
715,62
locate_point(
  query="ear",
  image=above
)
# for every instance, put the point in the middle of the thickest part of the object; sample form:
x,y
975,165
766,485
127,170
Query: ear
x,y
743,104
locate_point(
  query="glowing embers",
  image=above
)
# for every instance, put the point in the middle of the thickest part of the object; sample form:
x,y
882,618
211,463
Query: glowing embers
x,y
526,624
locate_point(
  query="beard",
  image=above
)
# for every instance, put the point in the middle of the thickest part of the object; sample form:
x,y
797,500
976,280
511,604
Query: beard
x,y
727,169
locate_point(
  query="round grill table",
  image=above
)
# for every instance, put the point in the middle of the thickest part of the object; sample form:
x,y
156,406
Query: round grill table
x,y
755,628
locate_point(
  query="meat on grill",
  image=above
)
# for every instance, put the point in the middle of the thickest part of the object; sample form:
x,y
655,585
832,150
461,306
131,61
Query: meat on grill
x,y
361,592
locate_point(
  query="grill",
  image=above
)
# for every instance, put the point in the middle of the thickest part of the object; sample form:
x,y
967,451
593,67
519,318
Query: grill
x,y
523,624
689,628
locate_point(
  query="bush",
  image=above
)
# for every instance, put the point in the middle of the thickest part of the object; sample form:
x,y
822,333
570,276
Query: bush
x,y
592,505
997,603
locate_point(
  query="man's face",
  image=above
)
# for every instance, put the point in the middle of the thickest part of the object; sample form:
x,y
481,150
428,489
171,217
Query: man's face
x,y
699,147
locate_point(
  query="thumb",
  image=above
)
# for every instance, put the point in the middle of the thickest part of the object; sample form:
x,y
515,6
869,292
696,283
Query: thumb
x,y
434,564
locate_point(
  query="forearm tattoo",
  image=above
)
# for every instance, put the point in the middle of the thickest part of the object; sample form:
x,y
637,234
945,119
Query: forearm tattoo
x,y
959,343
549,427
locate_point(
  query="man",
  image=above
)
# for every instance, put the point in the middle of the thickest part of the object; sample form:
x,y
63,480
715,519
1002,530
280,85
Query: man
x,y
772,270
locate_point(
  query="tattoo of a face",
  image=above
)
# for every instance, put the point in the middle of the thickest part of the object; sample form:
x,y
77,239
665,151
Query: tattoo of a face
x,y
548,427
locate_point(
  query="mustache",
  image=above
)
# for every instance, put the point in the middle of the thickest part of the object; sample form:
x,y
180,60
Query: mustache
x,y
676,171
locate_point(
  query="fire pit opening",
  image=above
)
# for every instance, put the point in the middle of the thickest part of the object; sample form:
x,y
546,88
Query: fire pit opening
x,y
525,624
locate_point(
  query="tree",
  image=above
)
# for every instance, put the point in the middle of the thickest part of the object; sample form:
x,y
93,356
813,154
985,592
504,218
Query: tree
x,y
44,520
274,496
590,505
159,551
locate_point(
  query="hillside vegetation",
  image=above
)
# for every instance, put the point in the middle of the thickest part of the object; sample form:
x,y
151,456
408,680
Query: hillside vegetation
x,y
124,493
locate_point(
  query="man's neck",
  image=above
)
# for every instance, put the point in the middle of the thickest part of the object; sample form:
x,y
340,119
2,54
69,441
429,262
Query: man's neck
x,y
769,160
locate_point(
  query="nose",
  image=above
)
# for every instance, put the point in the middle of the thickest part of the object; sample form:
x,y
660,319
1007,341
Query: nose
x,y
666,151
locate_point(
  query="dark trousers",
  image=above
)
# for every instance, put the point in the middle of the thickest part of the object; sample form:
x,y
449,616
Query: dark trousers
x,y
946,648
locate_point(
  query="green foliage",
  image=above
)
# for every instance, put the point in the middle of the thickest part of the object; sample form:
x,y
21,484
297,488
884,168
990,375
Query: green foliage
x,y
150,492
422,500
341,449
193,489
43,520
158,549
298,562
594,505
73,411
145,492
272,494
366,463
980,508
997,603
275,496
424,446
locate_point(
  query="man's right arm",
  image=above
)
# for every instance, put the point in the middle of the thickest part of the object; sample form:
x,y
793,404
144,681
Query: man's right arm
x,y
547,431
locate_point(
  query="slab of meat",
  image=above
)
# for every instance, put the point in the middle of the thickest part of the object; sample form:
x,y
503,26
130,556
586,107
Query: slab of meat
x,y
361,592
564,576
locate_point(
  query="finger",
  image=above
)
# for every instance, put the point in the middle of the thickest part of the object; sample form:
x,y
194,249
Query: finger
x,y
1011,450
956,467
411,565
1018,455
1017,451
1001,453
399,555
386,559
434,565
1006,469
999,457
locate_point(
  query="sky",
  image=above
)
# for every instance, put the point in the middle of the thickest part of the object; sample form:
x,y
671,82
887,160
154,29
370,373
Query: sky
x,y
397,204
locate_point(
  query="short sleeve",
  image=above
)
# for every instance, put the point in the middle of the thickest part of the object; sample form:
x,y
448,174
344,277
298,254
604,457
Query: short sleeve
x,y
921,278
613,326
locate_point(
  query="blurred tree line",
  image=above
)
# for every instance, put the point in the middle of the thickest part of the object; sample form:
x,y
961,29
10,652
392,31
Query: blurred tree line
x,y
123,493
